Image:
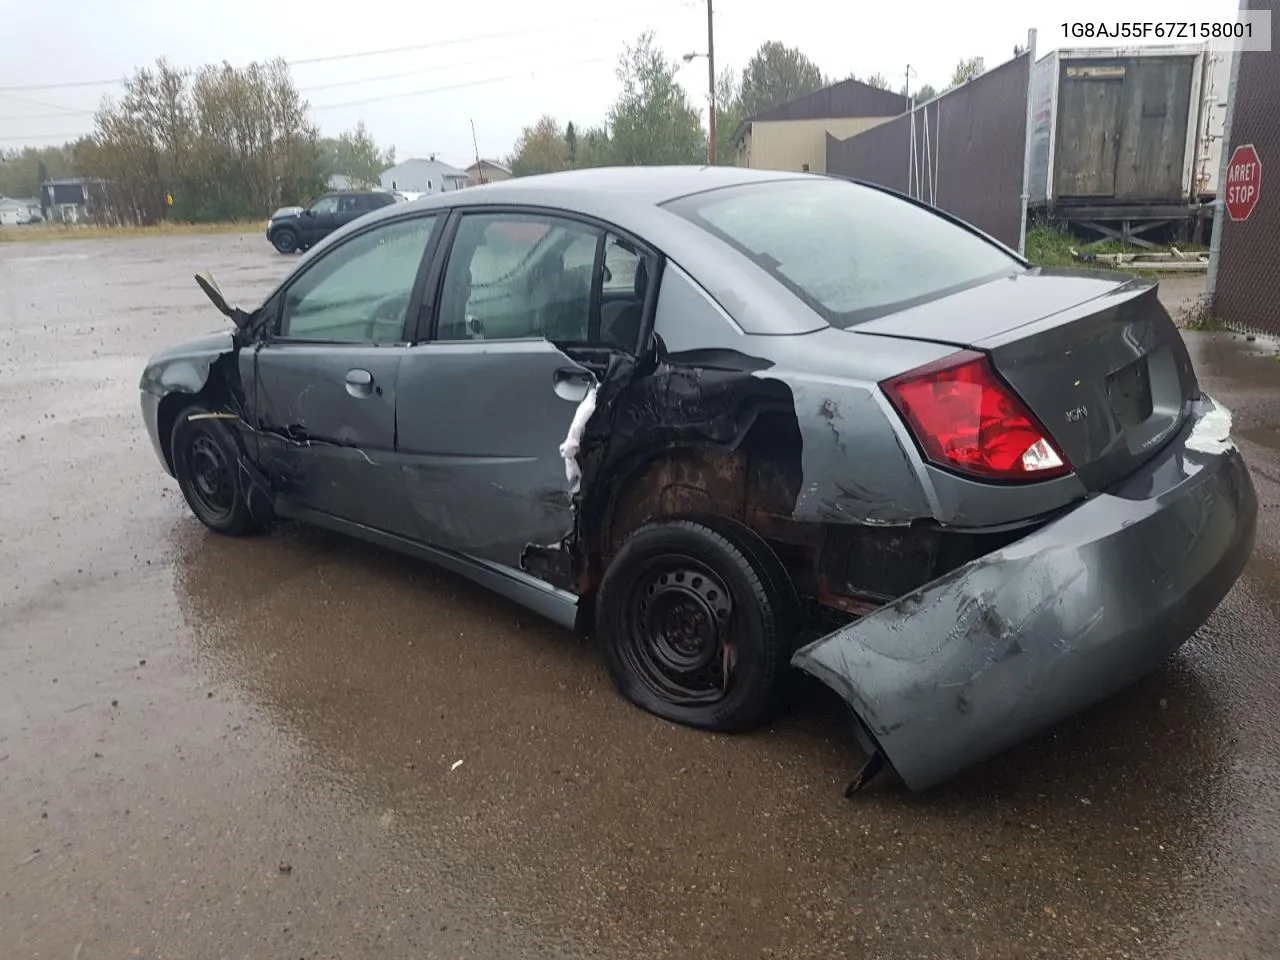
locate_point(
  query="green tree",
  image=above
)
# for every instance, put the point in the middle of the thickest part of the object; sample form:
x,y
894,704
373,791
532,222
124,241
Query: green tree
x,y
359,157
23,171
966,70
775,74
877,80
921,94
652,121
541,148
228,143
729,115
571,141
595,149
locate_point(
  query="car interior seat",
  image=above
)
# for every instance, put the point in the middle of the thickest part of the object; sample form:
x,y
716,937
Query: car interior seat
x,y
620,322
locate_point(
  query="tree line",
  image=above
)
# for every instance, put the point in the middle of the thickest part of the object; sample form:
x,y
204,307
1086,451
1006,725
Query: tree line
x,y
214,144
226,143
654,122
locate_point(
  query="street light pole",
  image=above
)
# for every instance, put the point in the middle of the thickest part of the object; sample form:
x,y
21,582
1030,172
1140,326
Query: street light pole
x,y
711,85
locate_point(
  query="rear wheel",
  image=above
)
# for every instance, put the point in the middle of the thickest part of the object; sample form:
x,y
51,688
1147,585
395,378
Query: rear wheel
x,y
206,467
692,627
285,241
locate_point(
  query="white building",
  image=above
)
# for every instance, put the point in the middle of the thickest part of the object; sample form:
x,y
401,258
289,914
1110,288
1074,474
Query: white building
x,y
15,210
423,176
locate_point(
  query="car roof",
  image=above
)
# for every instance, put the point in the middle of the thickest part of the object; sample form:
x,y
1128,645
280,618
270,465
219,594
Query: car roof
x,y
590,189
631,199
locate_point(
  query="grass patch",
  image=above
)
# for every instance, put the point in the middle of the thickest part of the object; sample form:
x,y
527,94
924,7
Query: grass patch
x,y
1050,246
1198,316
90,231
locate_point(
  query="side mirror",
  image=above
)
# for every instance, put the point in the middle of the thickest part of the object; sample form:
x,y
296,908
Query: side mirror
x,y
308,212
608,274
214,293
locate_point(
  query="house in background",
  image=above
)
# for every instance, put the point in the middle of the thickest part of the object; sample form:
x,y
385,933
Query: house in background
x,y
793,135
15,210
487,171
68,201
423,176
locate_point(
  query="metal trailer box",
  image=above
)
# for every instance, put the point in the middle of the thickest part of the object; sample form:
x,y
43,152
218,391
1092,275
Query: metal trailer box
x,y
1126,125
1213,122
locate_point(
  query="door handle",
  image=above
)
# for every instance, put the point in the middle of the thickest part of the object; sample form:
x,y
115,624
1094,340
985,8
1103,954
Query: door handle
x,y
571,384
359,383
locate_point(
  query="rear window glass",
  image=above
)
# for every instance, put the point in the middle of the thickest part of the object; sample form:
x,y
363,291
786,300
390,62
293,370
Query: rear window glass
x,y
851,252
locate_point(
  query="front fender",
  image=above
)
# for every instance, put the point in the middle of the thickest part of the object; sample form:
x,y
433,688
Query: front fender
x,y
185,368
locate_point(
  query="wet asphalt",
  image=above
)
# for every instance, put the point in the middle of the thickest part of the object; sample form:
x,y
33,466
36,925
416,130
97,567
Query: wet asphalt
x,y
301,747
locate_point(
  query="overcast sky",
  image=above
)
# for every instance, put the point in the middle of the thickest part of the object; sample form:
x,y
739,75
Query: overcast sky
x,y
501,63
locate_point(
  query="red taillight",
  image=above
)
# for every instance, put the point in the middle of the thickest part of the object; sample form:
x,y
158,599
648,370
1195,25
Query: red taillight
x,y
965,418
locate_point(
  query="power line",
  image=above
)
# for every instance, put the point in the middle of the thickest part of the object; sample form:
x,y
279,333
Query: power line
x,y
65,112
457,86
379,99
44,136
460,40
38,103
419,72
435,44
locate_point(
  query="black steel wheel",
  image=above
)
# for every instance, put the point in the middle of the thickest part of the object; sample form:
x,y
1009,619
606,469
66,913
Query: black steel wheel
x,y
285,241
691,628
205,465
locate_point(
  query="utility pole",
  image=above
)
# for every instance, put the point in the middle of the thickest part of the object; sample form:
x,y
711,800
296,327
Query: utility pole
x,y
475,143
711,84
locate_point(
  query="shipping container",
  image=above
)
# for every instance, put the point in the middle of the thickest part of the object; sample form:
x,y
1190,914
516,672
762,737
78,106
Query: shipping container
x,y
1127,125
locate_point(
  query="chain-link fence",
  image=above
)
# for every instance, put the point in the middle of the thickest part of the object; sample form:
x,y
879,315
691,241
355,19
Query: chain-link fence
x,y
964,151
1247,284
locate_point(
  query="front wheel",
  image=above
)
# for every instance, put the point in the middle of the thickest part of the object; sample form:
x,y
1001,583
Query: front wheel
x,y
206,466
285,241
692,630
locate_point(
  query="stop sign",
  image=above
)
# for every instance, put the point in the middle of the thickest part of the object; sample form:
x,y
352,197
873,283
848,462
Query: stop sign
x,y
1244,182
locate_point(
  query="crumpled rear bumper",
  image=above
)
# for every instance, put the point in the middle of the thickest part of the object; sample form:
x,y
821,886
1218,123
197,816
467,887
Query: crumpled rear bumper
x,y
1001,648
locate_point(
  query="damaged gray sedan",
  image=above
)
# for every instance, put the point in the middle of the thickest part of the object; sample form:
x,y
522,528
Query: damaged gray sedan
x,y
727,421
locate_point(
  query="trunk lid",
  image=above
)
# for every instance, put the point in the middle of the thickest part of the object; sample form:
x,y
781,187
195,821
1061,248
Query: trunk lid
x,y
1096,358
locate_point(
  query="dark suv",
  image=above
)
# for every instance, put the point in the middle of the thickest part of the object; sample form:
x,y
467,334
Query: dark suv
x,y
294,229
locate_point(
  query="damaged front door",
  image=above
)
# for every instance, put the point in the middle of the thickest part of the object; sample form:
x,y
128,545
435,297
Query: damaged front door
x,y
485,406
325,379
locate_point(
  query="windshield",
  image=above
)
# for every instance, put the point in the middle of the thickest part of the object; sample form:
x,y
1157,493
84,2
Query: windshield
x,y
849,251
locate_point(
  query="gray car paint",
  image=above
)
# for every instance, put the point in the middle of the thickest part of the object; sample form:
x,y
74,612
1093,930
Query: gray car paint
x,y
473,488
1000,648
342,436
859,465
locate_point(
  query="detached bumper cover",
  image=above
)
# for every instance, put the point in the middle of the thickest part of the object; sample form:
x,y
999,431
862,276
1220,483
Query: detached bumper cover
x,y
1007,645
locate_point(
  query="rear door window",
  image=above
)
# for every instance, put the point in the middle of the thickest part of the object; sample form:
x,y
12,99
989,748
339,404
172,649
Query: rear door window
x,y
849,251
517,277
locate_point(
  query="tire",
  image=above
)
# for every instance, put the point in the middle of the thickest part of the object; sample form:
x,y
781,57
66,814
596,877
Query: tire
x,y
664,624
286,241
773,573
205,465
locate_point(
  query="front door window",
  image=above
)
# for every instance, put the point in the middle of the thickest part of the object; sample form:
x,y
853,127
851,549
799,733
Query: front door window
x,y
324,206
360,291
